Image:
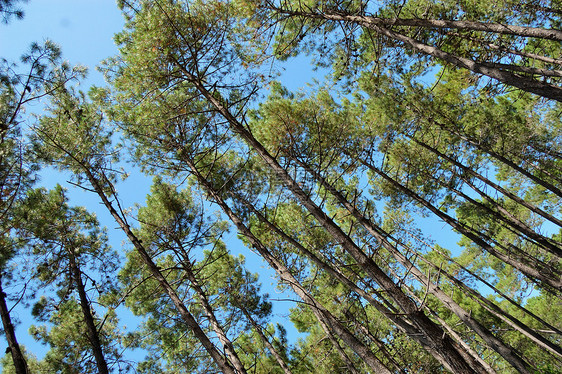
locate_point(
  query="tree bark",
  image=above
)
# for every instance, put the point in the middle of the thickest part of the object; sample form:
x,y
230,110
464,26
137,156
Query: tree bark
x,y
93,335
539,271
186,316
496,28
388,310
497,187
493,154
514,225
217,328
328,322
496,344
265,340
18,359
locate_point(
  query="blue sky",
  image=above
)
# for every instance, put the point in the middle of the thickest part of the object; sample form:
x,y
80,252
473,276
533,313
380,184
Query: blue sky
x,y
83,28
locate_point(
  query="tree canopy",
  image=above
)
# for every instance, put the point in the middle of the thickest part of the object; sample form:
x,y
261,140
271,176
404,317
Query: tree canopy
x,y
409,200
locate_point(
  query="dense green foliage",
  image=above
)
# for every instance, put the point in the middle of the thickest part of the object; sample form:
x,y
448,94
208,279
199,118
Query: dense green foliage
x,y
410,200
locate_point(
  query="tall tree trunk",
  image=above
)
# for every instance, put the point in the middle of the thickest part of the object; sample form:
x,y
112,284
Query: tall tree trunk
x,y
217,328
539,271
387,310
93,335
265,340
549,186
186,316
495,310
496,28
14,348
494,185
534,56
329,323
513,223
396,367
491,70
487,284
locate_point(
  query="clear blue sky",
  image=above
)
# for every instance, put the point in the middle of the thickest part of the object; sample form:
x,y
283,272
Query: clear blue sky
x,y
83,28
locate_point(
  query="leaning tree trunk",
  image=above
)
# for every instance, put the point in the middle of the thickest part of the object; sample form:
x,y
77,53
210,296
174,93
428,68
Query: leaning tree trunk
x,y
537,271
93,335
500,72
549,186
264,339
327,320
186,316
497,187
217,328
496,344
13,347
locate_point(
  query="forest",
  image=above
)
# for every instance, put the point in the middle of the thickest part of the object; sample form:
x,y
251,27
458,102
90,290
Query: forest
x,y
409,201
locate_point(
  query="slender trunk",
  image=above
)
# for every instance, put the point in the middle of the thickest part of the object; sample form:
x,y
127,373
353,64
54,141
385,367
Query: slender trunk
x,y
336,344
525,31
534,86
491,286
93,335
396,367
497,187
217,328
497,156
265,340
513,223
186,316
328,322
493,308
534,56
471,354
184,313
545,275
468,353
388,310
17,356
545,243
491,70
541,167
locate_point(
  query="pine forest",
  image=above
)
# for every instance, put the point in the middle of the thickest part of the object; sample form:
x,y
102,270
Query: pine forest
x,y
404,209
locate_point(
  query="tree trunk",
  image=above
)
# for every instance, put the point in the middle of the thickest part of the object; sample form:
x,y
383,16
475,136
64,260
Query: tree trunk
x,y
13,347
186,316
497,187
497,156
493,342
517,227
544,275
217,328
493,288
265,340
328,322
388,310
93,335
494,71
496,28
